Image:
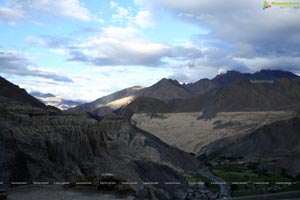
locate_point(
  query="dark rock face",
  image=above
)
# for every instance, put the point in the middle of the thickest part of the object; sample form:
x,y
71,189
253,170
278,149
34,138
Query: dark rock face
x,y
3,196
265,90
201,87
102,111
142,104
282,94
233,76
166,175
278,142
12,91
165,90
71,148
39,144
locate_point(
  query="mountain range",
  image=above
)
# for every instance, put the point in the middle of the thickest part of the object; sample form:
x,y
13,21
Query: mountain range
x,y
164,90
233,76
57,101
42,143
231,91
245,95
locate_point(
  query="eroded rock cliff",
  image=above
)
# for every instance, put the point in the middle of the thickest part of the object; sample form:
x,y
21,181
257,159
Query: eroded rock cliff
x,y
43,144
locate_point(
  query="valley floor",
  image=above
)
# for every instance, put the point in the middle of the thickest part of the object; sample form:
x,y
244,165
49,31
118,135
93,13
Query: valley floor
x,y
189,133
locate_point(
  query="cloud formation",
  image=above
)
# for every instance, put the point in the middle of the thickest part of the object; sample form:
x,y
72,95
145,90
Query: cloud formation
x,y
144,19
12,62
16,10
138,44
121,14
126,47
240,34
48,41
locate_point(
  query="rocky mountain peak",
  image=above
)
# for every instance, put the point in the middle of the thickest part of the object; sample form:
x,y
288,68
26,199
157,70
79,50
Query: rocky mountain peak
x,y
166,89
165,81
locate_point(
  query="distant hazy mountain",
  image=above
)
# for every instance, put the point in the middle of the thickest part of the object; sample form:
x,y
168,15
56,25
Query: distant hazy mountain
x,y
41,95
56,101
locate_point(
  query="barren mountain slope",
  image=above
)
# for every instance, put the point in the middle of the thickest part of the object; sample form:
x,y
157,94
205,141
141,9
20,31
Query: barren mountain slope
x,y
187,132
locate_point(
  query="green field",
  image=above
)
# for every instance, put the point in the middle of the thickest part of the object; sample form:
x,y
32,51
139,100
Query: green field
x,y
241,173
199,178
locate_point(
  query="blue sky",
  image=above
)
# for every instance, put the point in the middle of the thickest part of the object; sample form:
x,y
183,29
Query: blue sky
x,y
90,48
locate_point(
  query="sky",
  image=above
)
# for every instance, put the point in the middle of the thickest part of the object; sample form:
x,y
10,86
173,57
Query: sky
x,y
85,49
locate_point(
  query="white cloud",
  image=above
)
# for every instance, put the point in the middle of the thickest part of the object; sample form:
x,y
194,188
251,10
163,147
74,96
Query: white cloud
x,y
241,35
122,14
67,8
32,9
287,63
36,40
144,19
48,41
10,14
63,52
127,47
121,33
104,51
